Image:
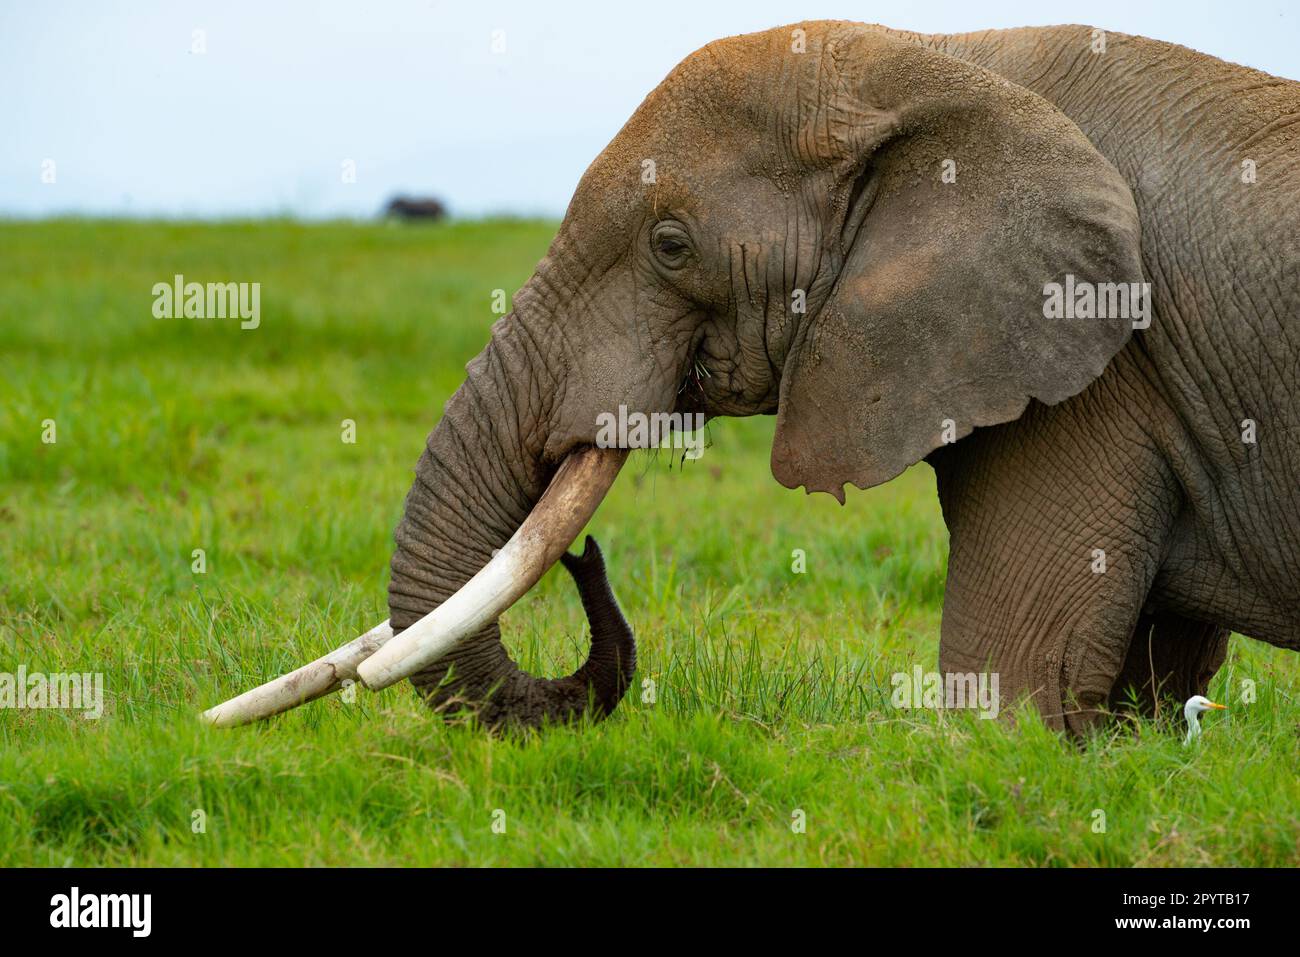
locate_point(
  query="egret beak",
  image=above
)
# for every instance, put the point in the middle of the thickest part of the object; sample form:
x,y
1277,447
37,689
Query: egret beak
x,y
1217,707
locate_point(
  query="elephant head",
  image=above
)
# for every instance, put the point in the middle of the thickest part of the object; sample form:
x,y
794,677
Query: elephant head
x,y
827,222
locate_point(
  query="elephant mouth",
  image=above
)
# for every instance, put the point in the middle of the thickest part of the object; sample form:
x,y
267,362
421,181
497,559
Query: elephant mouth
x,y
696,378
691,396
379,658
719,378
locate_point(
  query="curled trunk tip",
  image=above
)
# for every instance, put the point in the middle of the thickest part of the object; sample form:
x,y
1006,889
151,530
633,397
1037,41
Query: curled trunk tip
x,y
607,672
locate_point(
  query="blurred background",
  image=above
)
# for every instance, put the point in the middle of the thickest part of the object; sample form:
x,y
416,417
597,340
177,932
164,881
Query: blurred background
x,y
243,108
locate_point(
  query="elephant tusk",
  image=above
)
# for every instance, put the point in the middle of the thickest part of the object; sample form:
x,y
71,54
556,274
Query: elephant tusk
x,y
379,660
559,516
309,682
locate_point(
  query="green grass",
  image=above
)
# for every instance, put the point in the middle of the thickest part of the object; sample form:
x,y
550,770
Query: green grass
x,y
771,688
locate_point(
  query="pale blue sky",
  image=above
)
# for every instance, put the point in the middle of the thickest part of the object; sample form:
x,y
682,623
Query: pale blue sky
x,y
412,91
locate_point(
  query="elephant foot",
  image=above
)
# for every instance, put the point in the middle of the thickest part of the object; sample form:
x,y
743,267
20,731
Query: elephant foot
x,y
1064,669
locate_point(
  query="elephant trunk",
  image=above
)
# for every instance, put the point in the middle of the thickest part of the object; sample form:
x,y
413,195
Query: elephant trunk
x,y
480,478
483,521
609,667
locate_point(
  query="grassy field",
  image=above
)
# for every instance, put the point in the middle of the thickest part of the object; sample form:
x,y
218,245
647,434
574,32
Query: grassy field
x,y
771,688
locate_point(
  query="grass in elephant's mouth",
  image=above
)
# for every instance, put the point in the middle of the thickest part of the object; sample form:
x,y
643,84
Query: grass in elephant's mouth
x,y
770,689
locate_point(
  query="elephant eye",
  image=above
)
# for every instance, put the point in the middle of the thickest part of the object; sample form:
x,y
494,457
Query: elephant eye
x,y
670,244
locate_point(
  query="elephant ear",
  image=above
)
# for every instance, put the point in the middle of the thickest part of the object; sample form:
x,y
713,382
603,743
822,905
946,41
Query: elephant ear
x,y
962,206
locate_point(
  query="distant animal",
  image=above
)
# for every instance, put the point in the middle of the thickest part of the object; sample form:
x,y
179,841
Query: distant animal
x,y
409,207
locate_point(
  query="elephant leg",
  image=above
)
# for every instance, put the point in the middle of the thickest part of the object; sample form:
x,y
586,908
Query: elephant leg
x,y
1061,643
1057,526
1169,659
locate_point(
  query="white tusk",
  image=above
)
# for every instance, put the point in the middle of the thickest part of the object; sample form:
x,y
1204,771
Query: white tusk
x,y
560,514
298,687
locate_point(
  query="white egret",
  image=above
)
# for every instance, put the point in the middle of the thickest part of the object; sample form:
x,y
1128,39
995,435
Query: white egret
x,y
1196,704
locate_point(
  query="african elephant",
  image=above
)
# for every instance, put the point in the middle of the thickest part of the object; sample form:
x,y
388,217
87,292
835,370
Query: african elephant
x,y
1058,265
